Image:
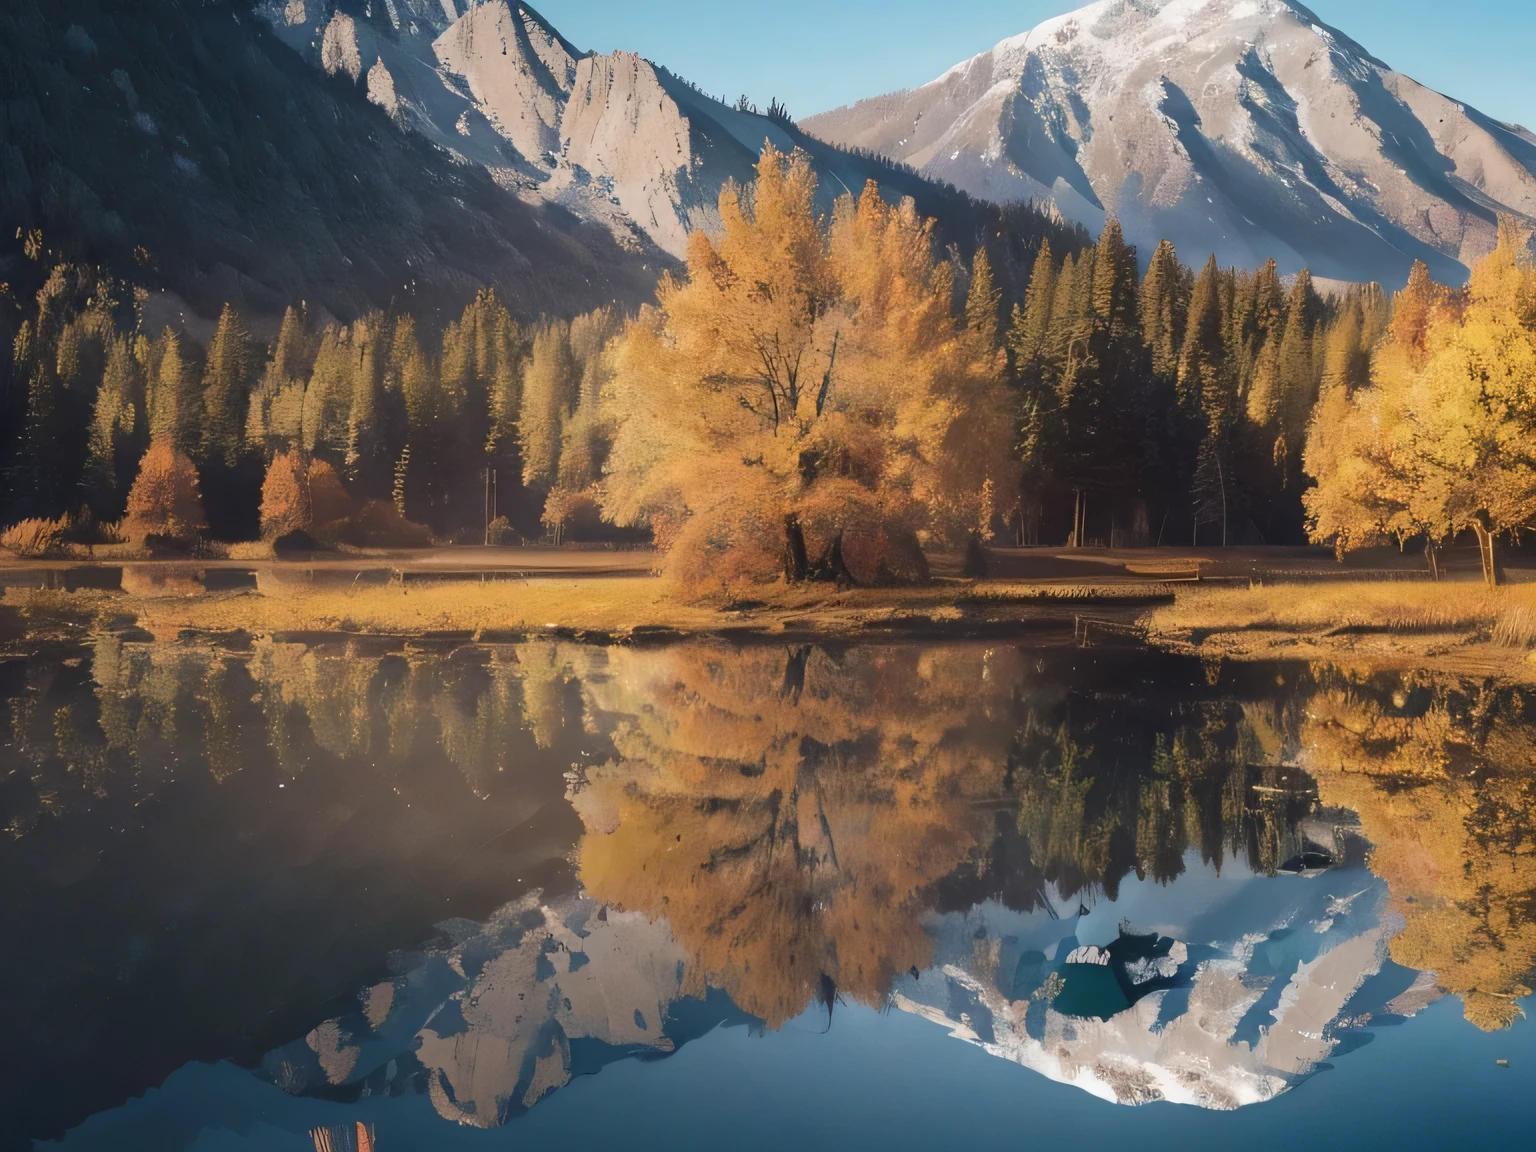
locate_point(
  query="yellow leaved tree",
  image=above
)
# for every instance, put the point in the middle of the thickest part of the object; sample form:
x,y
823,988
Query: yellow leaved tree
x,y
805,401
1444,440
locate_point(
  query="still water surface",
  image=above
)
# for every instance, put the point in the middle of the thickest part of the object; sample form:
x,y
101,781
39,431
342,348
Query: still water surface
x,y
913,895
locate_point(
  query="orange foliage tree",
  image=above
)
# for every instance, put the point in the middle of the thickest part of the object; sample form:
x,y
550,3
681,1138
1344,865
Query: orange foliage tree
x,y
165,500
285,502
805,401
302,496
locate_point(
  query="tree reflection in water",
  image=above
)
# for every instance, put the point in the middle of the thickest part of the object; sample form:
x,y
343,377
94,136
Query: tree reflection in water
x,y
956,830
1443,776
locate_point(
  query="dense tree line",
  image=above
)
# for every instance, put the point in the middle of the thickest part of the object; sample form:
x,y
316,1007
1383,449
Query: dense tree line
x,y
358,428
812,396
1173,406
110,424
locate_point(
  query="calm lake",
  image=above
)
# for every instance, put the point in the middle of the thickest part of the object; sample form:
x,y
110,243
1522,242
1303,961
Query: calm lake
x,y
394,896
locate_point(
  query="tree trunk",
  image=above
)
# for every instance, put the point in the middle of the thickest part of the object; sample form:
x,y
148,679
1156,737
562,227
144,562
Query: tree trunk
x,y
1493,574
975,558
1432,556
797,567
832,567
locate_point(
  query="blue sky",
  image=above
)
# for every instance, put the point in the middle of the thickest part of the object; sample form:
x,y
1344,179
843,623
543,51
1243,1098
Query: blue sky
x,y
817,54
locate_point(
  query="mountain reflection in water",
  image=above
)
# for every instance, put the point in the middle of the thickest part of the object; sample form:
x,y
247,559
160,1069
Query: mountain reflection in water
x,y
1132,873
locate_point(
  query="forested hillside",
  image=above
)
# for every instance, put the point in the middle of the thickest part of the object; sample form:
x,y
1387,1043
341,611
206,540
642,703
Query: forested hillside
x,y
814,396
183,145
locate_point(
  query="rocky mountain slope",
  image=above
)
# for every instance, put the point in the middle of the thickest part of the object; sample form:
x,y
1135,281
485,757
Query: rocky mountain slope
x,y
181,143
426,148
1247,127
614,139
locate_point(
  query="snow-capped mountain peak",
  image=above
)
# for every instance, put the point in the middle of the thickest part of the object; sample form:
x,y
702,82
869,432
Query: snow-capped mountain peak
x,y
1245,127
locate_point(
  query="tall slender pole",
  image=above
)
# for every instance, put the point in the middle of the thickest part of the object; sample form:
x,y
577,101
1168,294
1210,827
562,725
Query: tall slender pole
x,y
487,509
1221,477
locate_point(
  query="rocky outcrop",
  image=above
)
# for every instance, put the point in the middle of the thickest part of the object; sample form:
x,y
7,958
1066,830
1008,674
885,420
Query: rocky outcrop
x,y
622,128
612,138
517,72
616,140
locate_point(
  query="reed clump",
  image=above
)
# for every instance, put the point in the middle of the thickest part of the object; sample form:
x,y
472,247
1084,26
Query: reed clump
x,y
37,538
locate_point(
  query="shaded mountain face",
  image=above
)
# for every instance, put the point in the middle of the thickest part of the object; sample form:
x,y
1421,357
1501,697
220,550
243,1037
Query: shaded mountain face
x,y
615,140
1244,127
359,154
182,142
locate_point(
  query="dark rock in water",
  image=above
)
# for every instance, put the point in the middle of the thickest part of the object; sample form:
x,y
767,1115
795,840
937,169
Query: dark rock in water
x,y
1309,861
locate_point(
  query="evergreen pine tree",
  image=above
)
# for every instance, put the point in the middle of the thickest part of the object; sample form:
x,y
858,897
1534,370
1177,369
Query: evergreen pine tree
x,y
1204,353
226,386
275,420
175,416
119,433
328,395
367,458
1163,309
549,392
1031,324
37,483
982,302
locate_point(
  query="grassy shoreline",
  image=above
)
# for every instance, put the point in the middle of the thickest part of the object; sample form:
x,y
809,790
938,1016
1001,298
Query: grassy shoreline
x,y
601,609
1451,626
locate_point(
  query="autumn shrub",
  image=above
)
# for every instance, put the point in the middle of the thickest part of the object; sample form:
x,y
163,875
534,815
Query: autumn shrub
x,y
500,532
285,501
36,538
165,502
378,524
329,502
565,510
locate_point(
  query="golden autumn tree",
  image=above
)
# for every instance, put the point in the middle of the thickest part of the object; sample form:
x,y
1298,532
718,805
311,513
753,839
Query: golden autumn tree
x,y
1474,405
804,400
1444,439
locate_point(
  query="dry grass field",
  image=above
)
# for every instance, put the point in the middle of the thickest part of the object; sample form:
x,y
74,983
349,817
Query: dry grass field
x,y
1459,626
